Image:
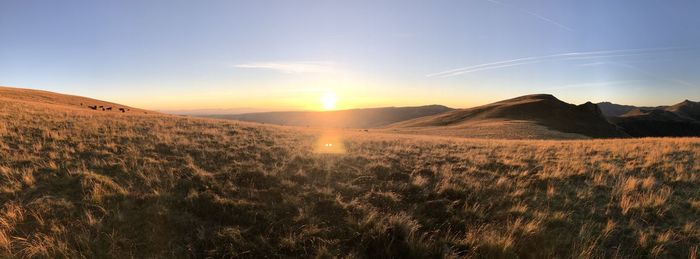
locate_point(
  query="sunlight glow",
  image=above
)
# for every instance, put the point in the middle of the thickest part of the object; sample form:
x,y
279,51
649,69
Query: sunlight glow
x,y
329,100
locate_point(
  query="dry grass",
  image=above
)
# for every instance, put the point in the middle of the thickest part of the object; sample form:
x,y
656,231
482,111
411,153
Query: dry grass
x,y
491,129
88,184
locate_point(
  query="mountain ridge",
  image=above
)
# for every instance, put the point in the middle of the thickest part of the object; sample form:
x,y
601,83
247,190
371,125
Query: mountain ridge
x,y
678,120
540,109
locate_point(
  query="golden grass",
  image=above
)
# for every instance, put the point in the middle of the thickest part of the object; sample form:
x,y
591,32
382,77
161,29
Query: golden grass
x,y
77,183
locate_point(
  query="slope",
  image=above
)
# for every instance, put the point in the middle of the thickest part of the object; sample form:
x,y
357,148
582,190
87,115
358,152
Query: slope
x,y
679,120
537,116
613,110
39,97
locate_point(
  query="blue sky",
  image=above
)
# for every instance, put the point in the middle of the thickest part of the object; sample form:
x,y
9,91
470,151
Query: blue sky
x,y
287,54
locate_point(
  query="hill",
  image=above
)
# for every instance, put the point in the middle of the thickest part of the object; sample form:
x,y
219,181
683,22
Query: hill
x,y
656,123
613,110
39,97
78,183
678,120
687,109
682,119
354,118
531,116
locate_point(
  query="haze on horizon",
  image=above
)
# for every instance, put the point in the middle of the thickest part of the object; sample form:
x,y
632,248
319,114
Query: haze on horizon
x,y
316,55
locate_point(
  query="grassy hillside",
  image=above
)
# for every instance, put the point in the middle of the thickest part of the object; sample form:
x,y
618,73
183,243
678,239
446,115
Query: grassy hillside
x,y
538,116
64,101
82,183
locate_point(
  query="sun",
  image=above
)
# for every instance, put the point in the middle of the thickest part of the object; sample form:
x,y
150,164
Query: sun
x,y
329,100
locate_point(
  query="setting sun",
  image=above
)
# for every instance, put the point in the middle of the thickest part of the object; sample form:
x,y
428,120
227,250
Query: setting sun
x,y
329,100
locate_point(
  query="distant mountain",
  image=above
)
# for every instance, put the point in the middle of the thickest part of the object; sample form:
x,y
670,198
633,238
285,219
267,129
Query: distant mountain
x,y
613,110
530,116
687,109
679,120
354,118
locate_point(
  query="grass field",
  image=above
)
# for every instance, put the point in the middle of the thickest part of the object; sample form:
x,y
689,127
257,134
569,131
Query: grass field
x,y
78,183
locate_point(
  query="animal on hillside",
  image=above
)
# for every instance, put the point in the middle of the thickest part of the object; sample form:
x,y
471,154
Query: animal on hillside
x,y
122,110
102,107
109,108
94,107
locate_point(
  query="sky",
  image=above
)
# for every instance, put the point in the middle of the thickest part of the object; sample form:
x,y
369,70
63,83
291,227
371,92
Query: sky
x,y
331,54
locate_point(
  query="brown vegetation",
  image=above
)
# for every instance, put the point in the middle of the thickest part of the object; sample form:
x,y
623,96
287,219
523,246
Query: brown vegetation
x,y
81,183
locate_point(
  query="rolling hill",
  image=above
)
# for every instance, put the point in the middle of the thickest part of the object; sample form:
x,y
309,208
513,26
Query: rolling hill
x,y
64,100
613,110
530,116
687,109
354,118
682,119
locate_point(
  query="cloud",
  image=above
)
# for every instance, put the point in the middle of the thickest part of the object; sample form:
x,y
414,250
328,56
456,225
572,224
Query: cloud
x,y
554,57
292,67
533,14
592,64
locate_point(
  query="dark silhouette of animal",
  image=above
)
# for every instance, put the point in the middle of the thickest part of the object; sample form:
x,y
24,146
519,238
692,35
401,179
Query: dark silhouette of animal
x,y
102,107
122,110
109,108
94,107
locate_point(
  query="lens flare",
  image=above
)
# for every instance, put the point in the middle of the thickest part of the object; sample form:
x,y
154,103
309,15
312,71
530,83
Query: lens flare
x,y
329,142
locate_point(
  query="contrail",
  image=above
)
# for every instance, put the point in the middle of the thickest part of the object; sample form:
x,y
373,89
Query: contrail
x,y
478,66
490,68
536,15
553,57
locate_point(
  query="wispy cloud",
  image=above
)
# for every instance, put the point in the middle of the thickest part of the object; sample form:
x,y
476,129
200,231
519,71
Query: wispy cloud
x,y
554,57
592,64
292,67
533,14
